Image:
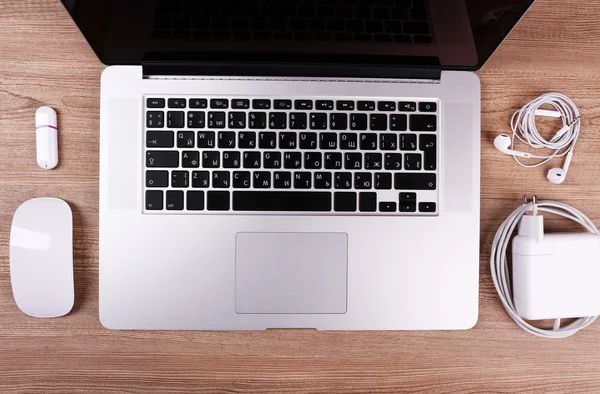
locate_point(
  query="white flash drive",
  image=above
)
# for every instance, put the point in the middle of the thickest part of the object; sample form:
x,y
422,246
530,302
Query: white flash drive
x,y
46,137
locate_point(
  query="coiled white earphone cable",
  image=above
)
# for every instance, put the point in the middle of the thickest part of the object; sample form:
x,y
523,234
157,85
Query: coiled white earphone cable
x,y
525,130
500,271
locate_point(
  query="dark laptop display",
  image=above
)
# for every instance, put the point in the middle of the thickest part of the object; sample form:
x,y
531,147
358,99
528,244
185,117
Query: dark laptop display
x,y
450,34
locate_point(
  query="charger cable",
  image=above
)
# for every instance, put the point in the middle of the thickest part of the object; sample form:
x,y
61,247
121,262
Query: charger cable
x,y
500,270
525,129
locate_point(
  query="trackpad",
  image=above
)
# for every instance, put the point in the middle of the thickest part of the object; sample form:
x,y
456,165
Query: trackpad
x,y
291,272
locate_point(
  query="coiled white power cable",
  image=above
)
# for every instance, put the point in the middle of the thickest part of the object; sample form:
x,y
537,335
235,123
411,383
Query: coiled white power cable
x,y
500,271
525,129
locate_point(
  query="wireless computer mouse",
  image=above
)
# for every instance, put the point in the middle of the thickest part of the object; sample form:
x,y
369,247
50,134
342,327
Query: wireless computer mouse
x,y
41,257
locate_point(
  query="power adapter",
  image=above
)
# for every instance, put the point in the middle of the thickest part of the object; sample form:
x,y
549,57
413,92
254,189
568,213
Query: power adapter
x,y
554,275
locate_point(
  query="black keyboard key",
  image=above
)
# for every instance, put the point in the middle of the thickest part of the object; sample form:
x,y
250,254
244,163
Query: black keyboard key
x,y
247,139
324,105
175,119
383,181
198,103
343,180
363,180
407,202
353,161
367,202
302,180
157,178
190,159
386,106
180,179
344,202
200,179
412,162
241,179
415,181
261,180
328,141
251,160
159,139
292,201
416,27
155,119
318,121
358,121
237,120
231,159
366,106
393,26
344,105
407,106
240,103
206,139
348,141
303,104
155,103
195,119
398,122
427,107
282,104
388,141
217,201
387,206
400,13
267,140
154,200
378,122
272,160
211,159
338,121
216,120
261,104
174,200
427,207
393,161
298,121
165,159
423,123
288,140
226,139
313,160
257,120
177,103
373,161
195,200
308,140
408,142
282,180
219,103
277,121
185,139
333,161
428,144
292,160
402,38
368,141
323,180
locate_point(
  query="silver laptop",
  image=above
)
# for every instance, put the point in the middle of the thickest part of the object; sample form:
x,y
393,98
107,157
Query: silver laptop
x,y
298,164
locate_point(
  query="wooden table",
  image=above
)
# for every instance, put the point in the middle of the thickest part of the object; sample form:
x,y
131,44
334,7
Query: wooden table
x,y
44,60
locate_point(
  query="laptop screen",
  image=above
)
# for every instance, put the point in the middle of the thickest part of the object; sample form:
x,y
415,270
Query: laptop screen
x,y
451,34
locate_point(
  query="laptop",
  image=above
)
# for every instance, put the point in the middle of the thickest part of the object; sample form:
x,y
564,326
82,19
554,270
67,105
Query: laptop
x,y
290,164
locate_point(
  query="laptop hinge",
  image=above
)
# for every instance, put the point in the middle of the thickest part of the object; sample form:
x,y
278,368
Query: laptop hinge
x,y
307,70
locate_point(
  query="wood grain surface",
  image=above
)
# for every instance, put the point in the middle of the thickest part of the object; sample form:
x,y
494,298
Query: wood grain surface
x,y
44,60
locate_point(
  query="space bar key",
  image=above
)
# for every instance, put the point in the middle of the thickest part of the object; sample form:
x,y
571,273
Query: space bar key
x,y
282,201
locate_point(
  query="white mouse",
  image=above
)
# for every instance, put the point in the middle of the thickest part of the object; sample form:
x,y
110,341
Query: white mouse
x,y
41,257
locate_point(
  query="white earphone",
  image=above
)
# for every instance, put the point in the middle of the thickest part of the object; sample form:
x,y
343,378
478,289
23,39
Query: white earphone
x,y
525,130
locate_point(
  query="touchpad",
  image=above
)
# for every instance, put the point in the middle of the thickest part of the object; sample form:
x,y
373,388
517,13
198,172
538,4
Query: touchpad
x,y
291,272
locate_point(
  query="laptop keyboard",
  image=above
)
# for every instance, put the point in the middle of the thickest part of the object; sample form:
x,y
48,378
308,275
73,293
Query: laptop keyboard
x,y
393,21
291,155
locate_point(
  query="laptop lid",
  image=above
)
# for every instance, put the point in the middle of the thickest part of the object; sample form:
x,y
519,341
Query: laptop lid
x,y
411,34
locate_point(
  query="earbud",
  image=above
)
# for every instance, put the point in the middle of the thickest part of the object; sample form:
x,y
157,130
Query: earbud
x,y
503,143
558,175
